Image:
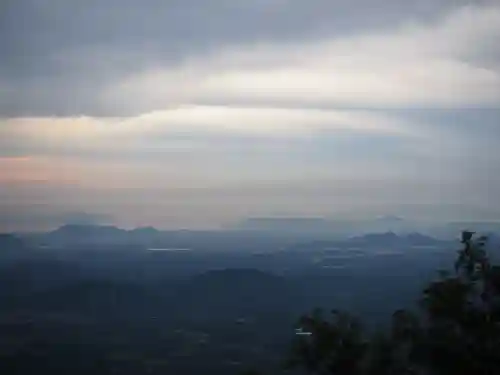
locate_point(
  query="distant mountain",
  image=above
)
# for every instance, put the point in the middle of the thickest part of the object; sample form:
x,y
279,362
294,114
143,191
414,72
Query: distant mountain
x,y
387,223
388,238
77,234
86,230
145,231
333,227
9,242
144,235
12,248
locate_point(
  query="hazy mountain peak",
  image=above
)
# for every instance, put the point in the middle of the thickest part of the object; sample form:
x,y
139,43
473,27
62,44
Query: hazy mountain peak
x,y
10,242
145,230
80,228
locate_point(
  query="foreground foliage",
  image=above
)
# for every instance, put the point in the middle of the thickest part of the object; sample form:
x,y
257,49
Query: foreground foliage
x,y
456,331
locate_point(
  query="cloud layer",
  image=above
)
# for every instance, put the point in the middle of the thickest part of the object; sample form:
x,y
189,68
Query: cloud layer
x,y
450,60
253,106
446,63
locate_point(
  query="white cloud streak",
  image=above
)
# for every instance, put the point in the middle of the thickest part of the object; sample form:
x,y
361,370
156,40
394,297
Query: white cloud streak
x,y
187,128
449,63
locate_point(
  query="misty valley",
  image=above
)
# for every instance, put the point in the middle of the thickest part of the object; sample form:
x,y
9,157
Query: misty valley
x,y
259,187
101,300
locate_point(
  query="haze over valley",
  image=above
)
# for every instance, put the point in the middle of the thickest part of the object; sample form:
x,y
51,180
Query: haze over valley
x,y
184,182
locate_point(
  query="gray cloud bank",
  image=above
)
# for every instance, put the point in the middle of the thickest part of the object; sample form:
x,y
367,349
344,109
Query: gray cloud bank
x,y
215,110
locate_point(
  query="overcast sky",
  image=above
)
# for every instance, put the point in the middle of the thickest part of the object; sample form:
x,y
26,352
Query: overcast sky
x,y
191,113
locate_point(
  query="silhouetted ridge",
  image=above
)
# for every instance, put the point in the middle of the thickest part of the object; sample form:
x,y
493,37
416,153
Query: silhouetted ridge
x,y
10,242
83,230
145,231
378,237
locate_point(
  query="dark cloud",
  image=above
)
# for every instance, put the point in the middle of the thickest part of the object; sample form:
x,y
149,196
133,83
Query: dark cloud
x,y
35,28
56,54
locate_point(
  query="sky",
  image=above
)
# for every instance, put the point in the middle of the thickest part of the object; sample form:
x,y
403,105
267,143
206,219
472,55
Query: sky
x,y
196,114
